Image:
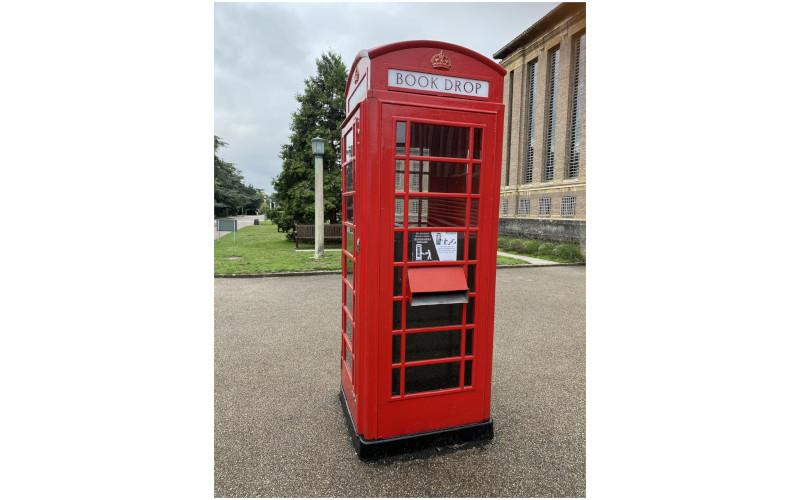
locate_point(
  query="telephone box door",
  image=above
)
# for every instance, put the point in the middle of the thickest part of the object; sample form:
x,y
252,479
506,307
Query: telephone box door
x,y
436,282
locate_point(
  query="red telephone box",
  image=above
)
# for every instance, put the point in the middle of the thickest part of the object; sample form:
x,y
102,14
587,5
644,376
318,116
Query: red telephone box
x,y
420,198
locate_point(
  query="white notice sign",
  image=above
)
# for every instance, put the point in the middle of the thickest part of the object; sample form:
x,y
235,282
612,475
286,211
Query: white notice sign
x,y
438,83
433,246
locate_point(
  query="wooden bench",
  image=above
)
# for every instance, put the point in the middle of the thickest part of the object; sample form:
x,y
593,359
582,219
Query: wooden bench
x,y
305,232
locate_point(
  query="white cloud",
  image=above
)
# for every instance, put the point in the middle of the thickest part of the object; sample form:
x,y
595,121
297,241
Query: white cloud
x,y
263,52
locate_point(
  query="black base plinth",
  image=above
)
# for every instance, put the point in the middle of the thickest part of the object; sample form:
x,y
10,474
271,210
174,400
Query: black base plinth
x,y
382,448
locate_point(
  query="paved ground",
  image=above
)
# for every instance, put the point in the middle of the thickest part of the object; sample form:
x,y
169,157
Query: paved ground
x,y
279,429
244,220
529,260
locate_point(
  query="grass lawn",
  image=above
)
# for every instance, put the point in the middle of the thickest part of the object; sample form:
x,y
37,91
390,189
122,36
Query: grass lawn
x,y
262,249
508,261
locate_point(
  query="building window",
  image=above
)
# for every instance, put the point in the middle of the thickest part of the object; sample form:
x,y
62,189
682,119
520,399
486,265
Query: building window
x,y
509,111
504,206
576,103
568,206
524,207
544,206
550,121
531,121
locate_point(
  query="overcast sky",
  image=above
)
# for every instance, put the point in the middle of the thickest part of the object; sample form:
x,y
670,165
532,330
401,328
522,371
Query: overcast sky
x,y
263,52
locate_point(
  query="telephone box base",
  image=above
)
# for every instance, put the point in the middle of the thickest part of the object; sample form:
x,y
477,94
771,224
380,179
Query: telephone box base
x,y
382,448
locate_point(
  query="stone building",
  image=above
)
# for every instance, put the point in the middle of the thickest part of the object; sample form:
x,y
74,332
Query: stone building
x,y
543,180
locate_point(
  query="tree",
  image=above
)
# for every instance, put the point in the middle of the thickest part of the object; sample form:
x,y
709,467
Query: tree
x,y
320,112
230,192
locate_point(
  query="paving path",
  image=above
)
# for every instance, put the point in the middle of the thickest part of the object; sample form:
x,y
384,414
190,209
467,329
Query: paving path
x,y
529,260
279,430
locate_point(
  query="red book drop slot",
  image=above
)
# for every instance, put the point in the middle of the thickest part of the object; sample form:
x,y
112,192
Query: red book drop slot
x,y
437,285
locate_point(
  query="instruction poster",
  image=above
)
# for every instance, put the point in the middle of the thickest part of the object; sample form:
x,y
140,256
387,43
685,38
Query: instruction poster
x,y
432,246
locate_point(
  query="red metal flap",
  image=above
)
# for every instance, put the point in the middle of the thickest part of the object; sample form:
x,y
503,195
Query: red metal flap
x,y
436,279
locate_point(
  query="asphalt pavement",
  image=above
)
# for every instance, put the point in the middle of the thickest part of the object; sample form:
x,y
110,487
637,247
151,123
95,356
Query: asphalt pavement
x,y
279,429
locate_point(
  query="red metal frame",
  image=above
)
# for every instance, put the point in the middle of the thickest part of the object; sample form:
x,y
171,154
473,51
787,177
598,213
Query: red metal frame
x,y
376,410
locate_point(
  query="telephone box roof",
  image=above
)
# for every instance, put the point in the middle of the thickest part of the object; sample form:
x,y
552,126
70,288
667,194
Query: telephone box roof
x,y
411,44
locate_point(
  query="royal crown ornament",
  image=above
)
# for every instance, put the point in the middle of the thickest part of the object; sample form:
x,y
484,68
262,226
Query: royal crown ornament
x,y
440,61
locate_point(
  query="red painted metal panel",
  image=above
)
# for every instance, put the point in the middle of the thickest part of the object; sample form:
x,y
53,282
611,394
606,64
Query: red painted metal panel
x,y
436,279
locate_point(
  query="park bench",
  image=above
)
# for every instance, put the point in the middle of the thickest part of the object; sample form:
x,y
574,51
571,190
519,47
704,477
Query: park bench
x,y
305,232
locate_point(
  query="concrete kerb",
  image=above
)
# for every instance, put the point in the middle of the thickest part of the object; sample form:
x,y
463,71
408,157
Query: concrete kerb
x,y
339,271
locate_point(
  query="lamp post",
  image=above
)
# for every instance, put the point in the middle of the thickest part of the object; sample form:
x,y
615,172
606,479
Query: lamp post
x,y
318,148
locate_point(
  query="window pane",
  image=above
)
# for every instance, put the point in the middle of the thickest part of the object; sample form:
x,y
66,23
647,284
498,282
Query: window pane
x,y
349,173
348,145
436,315
471,310
476,178
478,143
398,281
349,239
568,206
437,177
399,175
395,381
349,209
431,377
400,138
433,345
439,140
398,212
576,103
398,246
348,300
437,212
350,271
468,342
348,329
349,359
544,206
471,277
473,246
395,348
467,373
551,118
527,177
473,212
397,315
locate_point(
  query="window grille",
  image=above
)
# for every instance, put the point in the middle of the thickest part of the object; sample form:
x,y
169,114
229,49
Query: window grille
x,y
552,97
531,121
578,84
508,125
524,206
504,206
568,206
544,206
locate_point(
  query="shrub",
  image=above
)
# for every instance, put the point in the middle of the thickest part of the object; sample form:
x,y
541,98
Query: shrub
x,y
516,245
531,247
568,251
546,249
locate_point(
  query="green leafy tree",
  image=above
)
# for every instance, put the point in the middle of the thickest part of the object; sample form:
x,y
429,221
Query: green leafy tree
x,y
320,112
230,192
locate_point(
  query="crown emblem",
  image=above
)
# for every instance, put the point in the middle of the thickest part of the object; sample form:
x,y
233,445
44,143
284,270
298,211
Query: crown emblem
x,y
440,61
355,76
